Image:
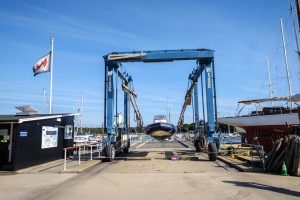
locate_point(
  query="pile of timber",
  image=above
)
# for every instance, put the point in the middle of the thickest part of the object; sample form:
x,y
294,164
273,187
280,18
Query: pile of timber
x,y
286,149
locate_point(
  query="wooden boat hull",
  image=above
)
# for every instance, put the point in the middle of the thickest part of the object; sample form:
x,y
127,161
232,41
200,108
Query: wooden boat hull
x,y
266,128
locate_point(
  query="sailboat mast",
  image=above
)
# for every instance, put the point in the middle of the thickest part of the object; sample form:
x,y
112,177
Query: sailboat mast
x,y
81,105
169,115
286,60
168,111
298,12
270,83
295,32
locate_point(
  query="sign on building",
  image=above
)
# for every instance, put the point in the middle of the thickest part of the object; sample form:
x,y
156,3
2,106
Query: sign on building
x,y
49,137
68,132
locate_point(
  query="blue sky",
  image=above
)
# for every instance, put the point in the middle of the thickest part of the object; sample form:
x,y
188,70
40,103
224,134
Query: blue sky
x,y
242,33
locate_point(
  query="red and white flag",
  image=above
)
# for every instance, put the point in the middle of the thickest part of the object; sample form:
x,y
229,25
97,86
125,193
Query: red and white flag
x,y
42,65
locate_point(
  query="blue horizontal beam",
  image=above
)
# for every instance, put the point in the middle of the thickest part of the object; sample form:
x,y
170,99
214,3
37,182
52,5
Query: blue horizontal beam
x,y
202,55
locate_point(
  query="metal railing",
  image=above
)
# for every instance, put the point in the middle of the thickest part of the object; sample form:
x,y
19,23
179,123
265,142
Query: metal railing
x,y
240,149
91,147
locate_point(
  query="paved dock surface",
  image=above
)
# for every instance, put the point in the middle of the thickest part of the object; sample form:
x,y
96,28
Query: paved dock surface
x,y
163,144
158,178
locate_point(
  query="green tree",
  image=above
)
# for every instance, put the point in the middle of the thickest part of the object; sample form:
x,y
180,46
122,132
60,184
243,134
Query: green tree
x,y
92,130
191,127
185,128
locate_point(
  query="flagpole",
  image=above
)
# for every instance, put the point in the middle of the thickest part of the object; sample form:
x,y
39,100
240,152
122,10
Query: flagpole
x,y
51,72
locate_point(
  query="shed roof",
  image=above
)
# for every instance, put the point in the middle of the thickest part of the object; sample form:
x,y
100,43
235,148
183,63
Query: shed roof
x,y
33,117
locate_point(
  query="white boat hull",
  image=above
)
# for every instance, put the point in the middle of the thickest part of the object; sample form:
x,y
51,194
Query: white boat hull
x,y
261,120
267,128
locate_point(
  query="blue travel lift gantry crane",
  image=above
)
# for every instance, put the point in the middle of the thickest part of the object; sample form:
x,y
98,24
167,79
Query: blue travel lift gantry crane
x,y
113,61
205,138
118,137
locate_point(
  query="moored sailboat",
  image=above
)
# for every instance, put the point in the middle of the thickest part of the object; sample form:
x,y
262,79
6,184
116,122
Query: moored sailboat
x,y
268,124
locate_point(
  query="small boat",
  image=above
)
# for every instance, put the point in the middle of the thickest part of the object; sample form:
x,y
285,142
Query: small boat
x,y
160,129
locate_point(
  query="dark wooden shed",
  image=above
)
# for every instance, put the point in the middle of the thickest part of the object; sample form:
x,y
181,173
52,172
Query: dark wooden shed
x,y
28,140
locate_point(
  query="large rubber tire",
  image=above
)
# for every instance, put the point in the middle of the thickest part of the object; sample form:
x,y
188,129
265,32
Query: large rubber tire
x,y
197,147
110,152
126,149
200,143
212,151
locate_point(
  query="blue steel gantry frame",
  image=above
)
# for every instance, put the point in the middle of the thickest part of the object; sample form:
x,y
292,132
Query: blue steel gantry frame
x,y
210,89
204,58
110,96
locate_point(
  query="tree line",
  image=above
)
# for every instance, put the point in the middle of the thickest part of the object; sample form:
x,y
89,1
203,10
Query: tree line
x,y
184,128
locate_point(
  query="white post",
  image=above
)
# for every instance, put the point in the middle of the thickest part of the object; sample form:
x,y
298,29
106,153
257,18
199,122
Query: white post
x,y
65,160
79,156
286,60
51,72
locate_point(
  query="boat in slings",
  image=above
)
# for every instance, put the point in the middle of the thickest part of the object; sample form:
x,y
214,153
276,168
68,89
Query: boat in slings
x,y
160,129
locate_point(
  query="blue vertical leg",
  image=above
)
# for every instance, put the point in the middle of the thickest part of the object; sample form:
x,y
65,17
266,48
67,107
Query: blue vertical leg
x,y
110,105
126,118
126,110
196,106
209,101
105,98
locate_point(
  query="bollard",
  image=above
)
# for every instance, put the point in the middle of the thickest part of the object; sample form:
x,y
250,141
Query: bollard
x,y
91,152
99,151
79,156
65,161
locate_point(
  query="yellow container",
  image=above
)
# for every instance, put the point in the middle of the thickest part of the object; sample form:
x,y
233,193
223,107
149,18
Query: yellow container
x,y
247,153
237,155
